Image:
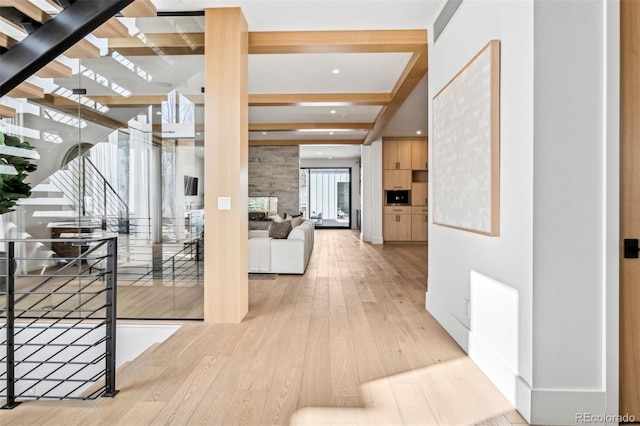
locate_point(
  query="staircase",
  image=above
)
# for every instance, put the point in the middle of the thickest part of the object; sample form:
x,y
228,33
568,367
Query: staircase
x,y
78,201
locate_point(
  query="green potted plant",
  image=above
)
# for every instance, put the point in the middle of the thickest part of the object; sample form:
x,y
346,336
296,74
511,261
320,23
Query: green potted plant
x,y
15,164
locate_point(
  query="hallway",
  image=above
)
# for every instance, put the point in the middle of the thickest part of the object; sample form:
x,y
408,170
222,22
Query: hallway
x,y
349,342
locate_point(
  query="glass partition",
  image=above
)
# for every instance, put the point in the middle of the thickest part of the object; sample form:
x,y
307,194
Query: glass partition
x,y
117,140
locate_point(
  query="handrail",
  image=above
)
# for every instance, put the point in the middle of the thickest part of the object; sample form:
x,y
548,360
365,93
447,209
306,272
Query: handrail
x,y
106,182
61,345
199,249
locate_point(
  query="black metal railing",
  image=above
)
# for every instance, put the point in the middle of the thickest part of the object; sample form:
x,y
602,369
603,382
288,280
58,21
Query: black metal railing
x,y
93,195
183,267
60,328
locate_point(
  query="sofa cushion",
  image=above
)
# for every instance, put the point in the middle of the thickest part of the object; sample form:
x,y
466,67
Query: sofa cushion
x,y
296,221
279,230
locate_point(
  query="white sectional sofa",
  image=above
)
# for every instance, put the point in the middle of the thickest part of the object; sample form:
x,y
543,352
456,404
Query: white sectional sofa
x,y
282,256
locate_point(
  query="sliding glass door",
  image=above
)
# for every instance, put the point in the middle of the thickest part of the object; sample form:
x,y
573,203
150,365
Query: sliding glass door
x,y
325,196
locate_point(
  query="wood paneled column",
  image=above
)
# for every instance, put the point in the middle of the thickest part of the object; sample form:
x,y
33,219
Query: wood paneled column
x,y
226,298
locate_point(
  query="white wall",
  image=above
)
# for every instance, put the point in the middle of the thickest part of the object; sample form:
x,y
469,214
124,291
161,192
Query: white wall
x,y
454,254
372,193
351,163
558,138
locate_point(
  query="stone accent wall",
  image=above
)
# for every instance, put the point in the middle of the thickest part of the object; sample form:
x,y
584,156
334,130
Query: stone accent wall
x,y
275,170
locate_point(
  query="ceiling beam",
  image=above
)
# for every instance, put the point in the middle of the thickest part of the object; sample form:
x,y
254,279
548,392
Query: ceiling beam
x,y
337,41
7,112
86,113
27,90
159,44
140,9
313,99
283,127
292,142
280,42
411,76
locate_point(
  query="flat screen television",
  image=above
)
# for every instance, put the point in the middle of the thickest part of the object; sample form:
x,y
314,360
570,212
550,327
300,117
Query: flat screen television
x,y
190,185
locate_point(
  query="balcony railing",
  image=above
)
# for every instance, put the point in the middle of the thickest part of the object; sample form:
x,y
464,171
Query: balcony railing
x,y
60,327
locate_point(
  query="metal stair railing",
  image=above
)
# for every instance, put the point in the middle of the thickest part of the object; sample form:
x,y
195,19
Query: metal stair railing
x,y
60,328
85,180
185,265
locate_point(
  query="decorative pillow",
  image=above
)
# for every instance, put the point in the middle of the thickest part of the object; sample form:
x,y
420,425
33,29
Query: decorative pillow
x,y
296,221
278,219
279,230
297,215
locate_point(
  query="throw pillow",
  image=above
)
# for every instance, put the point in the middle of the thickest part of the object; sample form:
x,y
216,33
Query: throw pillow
x,y
278,219
279,230
296,221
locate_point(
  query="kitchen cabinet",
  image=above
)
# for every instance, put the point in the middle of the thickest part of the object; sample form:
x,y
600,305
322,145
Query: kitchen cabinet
x,y
404,163
419,225
419,155
397,227
397,154
396,179
419,194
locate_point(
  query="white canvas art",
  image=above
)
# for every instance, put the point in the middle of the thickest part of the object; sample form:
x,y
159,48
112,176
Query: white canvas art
x,y
466,146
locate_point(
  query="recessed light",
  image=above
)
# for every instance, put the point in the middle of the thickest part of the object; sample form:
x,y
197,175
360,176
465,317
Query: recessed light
x,y
419,132
333,111
264,133
330,133
336,71
330,158
319,153
158,112
344,115
330,149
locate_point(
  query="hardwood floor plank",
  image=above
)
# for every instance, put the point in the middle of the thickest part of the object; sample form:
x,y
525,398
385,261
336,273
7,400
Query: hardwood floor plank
x,y
348,342
344,372
316,382
189,395
412,404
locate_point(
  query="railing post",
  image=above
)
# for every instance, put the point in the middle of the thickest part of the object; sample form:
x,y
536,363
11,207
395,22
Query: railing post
x,y
83,195
10,283
198,257
104,205
112,265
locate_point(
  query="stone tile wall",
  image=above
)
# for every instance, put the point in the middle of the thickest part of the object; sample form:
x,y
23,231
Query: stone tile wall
x,y
275,170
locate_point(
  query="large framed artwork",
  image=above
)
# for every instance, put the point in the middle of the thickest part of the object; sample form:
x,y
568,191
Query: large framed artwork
x,y
466,146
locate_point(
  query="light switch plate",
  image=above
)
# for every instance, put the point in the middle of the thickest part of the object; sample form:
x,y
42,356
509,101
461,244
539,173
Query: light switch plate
x,y
224,203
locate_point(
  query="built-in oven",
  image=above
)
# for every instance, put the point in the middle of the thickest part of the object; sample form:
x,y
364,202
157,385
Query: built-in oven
x,y
397,198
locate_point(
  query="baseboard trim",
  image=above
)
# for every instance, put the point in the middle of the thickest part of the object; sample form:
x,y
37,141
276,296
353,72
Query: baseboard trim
x,y
377,240
448,321
494,367
562,407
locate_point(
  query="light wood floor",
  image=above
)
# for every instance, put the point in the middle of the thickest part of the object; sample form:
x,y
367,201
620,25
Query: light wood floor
x,y
349,342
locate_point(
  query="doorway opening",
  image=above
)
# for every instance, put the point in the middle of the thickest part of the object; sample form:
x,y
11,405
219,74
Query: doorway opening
x,y
325,196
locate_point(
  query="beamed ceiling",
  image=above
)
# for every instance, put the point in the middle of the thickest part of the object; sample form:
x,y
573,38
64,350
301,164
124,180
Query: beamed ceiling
x,y
318,86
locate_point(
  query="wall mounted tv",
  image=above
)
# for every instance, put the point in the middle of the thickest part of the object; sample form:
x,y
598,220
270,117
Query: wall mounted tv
x,y
190,185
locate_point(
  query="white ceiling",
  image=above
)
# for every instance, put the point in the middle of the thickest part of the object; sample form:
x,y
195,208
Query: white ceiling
x,y
285,73
333,152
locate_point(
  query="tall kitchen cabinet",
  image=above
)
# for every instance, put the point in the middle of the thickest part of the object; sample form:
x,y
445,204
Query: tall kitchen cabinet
x,y
405,163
